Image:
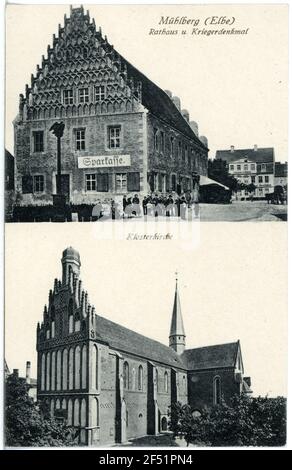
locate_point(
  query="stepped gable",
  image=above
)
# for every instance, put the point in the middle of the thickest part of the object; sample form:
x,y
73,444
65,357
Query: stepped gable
x,y
79,57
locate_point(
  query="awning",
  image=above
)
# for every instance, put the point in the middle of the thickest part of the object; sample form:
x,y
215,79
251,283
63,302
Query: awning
x,y
204,180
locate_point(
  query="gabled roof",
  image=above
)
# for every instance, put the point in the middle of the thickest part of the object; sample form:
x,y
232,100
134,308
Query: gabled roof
x,y
160,104
128,341
211,357
177,325
261,155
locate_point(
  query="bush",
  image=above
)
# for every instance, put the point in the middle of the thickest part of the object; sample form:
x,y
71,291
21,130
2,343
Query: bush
x,y
247,421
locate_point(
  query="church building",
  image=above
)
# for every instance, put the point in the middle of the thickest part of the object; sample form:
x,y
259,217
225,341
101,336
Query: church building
x,y
114,384
123,134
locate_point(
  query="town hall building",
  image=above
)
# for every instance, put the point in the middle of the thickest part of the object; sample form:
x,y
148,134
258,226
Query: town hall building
x,y
113,384
123,134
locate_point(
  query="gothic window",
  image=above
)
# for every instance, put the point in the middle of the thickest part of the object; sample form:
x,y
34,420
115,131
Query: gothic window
x,y
179,149
156,140
163,423
43,371
52,407
83,95
84,368
162,140
126,375
48,333
71,368
58,404
114,137
77,322
185,154
71,319
68,96
217,390
172,146
70,412
184,384
80,139
95,367
53,370
100,93
48,363
166,382
140,378
65,368
76,412
38,141
133,378
90,181
83,420
95,412
77,367
53,322
59,365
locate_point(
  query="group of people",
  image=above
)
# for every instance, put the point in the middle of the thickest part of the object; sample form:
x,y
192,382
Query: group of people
x,y
155,205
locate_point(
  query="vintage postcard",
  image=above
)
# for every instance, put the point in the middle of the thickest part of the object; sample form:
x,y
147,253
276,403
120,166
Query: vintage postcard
x,y
146,182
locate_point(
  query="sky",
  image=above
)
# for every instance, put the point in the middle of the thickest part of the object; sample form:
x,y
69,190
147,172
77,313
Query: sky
x,y
232,284
235,87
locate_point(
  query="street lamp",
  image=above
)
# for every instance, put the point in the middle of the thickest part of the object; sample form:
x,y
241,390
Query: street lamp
x,y
58,129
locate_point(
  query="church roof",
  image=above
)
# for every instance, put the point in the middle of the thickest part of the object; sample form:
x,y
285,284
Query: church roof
x,y
128,341
211,357
177,326
261,155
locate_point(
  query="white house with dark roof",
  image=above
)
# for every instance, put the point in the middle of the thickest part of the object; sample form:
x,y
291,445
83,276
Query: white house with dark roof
x,y
251,166
114,384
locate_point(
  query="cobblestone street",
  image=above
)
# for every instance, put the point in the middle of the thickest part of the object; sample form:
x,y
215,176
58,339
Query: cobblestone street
x,y
243,211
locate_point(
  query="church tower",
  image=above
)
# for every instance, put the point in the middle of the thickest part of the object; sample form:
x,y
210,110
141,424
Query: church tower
x,y
70,261
177,337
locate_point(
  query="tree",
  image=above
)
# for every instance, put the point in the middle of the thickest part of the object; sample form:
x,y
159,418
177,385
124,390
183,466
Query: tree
x,y
218,171
246,421
26,424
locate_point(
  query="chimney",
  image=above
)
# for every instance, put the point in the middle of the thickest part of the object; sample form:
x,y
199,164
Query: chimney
x,y
232,148
27,373
255,147
16,372
195,128
186,115
169,93
176,102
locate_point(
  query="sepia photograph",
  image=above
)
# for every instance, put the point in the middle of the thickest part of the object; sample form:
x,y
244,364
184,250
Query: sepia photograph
x,y
137,312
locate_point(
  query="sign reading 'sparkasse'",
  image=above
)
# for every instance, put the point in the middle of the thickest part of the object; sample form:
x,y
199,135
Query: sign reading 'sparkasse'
x,y
104,161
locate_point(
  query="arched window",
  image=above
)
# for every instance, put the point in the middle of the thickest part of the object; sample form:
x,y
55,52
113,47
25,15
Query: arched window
x,y
156,139
84,367
48,363
140,378
64,404
217,390
133,378
59,365
83,421
95,412
70,314
156,378
43,371
65,369
166,382
77,322
52,322
77,367
95,367
52,407
71,368
76,412
184,384
58,404
163,423
70,412
53,370
126,375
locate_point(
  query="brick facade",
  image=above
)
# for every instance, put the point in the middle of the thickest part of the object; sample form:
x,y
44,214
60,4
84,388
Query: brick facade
x,y
111,383
109,109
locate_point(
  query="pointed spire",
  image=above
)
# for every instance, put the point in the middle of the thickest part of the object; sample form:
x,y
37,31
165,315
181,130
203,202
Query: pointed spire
x,y
177,334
